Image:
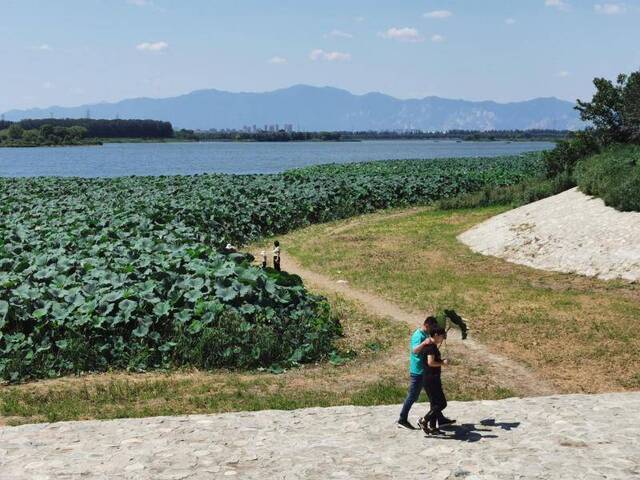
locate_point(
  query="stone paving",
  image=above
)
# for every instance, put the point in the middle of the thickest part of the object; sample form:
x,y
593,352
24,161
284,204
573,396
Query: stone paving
x,y
581,437
570,232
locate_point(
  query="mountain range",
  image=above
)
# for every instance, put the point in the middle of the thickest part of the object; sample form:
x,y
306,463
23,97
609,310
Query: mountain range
x,y
325,108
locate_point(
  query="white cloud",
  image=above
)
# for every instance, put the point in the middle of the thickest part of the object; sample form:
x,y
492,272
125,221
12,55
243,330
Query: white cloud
x,y
610,8
338,34
438,14
45,47
277,60
140,3
152,46
437,38
359,19
319,54
405,34
48,85
559,4
510,21
563,74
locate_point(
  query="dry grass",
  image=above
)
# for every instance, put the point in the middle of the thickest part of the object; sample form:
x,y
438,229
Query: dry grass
x,y
579,332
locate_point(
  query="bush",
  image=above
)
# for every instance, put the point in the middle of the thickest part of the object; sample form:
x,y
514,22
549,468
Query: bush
x,y
614,176
512,195
563,159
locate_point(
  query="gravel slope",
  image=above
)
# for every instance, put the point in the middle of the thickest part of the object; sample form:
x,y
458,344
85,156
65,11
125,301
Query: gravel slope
x,y
570,232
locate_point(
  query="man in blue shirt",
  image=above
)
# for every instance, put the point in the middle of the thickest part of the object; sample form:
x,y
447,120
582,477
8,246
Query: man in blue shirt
x,y
419,341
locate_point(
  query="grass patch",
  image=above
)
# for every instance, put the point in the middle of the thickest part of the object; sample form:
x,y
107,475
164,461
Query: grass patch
x,y
579,332
614,176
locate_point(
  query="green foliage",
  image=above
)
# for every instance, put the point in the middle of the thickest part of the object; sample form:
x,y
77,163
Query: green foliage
x,y
516,195
124,273
15,132
102,128
45,135
614,176
614,109
563,159
613,112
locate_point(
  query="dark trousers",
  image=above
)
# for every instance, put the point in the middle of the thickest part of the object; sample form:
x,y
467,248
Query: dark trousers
x,y
437,400
276,263
415,387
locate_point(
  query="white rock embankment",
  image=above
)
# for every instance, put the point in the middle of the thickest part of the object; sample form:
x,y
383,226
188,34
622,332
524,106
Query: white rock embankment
x,y
559,437
570,232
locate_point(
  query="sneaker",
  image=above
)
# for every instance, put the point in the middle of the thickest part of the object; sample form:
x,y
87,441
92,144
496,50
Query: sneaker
x,y
423,425
433,431
446,421
406,424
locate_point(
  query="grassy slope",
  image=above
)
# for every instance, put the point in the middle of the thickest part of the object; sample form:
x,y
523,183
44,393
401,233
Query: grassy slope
x,y
613,175
579,332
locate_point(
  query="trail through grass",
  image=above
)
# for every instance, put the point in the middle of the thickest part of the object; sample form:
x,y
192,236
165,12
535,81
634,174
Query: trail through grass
x,y
579,332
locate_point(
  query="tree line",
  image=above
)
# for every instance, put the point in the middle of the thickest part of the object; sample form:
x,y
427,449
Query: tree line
x,y
284,136
100,128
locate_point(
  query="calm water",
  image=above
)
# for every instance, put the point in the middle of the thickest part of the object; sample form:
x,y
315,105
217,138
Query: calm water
x,y
115,160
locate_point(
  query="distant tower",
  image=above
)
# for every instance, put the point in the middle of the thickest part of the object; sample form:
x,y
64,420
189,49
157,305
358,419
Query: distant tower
x,y
2,118
88,114
50,114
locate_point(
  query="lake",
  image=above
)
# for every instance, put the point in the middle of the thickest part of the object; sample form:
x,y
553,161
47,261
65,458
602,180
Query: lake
x,y
125,159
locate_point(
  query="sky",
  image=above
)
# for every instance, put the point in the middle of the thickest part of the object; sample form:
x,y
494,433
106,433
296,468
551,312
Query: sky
x,y
72,52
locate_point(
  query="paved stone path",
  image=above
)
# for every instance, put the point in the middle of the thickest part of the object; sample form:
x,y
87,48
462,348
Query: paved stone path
x,y
559,437
570,232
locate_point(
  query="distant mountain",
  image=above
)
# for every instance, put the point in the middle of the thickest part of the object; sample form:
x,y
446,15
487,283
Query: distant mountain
x,y
325,108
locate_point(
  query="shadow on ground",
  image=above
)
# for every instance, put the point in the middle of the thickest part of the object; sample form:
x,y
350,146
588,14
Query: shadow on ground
x,y
469,432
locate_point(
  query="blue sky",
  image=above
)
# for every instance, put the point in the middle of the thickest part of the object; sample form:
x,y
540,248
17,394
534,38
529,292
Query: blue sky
x,y
70,52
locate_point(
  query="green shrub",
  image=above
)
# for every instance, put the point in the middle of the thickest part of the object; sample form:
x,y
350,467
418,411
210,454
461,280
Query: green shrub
x,y
614,176
563,159
513,195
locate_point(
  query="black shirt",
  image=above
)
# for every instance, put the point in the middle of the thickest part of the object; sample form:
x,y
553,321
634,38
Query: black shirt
x,y
431,349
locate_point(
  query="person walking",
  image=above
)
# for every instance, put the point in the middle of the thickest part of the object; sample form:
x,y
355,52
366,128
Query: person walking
x,y
276,255
433,384
419,341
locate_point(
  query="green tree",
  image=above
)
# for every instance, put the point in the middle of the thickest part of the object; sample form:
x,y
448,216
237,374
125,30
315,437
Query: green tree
x,y
15,132
46,130
614,109
77,132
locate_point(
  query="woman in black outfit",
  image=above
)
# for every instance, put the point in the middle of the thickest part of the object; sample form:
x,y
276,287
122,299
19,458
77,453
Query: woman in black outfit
x,y
433,384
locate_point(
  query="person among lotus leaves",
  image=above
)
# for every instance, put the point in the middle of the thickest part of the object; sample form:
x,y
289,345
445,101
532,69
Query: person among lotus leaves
x,y
276,255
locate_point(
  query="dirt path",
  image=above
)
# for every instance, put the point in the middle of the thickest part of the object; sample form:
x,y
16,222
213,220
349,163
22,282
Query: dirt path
x,y
513,375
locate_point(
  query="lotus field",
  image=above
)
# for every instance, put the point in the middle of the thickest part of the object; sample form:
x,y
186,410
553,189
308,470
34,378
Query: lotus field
x,y
99,274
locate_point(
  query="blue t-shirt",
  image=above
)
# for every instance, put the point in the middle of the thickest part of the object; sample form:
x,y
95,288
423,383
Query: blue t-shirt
x,y
417,359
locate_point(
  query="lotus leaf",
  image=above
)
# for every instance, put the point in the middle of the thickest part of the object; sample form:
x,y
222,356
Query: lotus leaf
x,y
133,266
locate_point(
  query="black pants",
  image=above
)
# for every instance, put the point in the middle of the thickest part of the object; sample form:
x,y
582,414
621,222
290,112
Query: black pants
x,y
276,263
437,400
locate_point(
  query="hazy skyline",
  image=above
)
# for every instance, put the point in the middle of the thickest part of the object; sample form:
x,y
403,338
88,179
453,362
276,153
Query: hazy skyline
x,y
83,51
